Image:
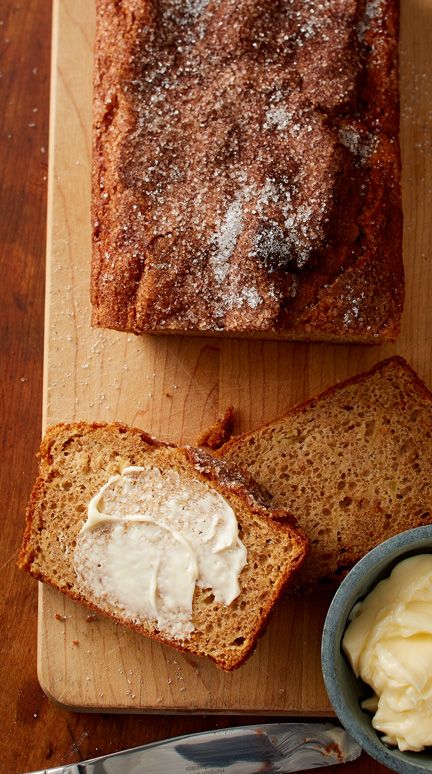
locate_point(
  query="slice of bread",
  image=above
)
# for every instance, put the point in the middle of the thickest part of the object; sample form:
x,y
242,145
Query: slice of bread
x,y
354,465
76,460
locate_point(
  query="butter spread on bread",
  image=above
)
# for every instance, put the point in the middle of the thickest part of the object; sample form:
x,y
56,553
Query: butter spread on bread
x,y
150,537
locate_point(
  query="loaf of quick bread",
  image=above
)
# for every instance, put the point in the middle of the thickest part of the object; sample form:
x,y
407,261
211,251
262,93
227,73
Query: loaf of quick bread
x,y
354,465
166,540
246,169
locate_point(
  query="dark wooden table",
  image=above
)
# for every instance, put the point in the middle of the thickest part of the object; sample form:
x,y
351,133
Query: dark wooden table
x,y
35,732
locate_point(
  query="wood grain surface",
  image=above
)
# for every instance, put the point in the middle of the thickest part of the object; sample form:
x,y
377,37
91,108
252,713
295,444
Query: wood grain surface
x,y
37,733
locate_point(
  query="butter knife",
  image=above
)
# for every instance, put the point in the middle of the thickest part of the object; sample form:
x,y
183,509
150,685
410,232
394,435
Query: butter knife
x,y
273,748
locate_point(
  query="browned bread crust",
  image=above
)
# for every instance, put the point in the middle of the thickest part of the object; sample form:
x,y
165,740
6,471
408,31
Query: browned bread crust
x,y
219,432
353,464
77,459
246,168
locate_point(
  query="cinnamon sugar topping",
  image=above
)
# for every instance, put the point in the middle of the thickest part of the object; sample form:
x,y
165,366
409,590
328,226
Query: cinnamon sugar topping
x,y
229,137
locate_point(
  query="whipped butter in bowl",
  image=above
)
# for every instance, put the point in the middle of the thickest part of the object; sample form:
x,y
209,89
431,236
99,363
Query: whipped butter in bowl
x,y
388,643
150,537
376,652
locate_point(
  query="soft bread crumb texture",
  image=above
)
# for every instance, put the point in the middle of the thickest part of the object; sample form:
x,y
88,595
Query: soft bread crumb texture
x,y
354,465
77,459
246,168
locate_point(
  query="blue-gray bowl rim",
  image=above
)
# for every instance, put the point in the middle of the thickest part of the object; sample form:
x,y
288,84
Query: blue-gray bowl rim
x,y
368,571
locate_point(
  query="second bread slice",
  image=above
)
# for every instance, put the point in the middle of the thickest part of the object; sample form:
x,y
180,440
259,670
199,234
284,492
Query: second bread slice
x,y
354,464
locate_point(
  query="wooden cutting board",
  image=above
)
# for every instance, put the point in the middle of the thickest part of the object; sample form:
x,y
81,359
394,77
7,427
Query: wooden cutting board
x,y
174,386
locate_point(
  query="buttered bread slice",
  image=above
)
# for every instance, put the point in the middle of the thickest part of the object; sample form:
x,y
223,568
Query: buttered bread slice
x,y
167,540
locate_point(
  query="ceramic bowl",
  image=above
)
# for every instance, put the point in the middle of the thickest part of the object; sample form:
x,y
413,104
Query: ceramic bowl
x,y
345,691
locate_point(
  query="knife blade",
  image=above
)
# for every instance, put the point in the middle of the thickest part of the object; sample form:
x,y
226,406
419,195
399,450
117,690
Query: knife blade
x,y
273,748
